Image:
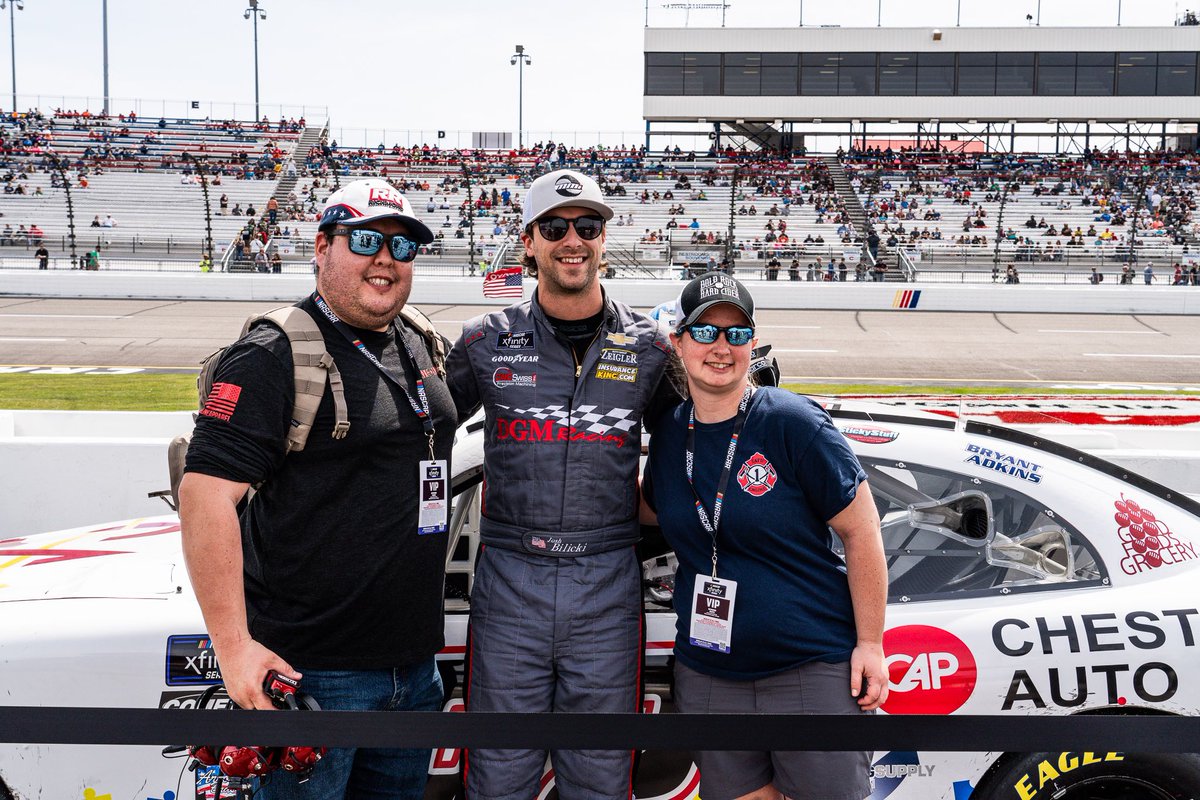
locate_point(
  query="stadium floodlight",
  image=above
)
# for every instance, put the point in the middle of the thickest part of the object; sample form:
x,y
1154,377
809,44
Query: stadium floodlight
x,y
522,60
255,12
13,7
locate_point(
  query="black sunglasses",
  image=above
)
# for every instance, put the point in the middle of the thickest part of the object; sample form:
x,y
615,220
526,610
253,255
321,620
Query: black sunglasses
x,y
555,228
367,243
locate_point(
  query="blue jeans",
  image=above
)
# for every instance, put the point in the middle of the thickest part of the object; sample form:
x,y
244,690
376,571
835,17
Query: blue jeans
x,y
354,773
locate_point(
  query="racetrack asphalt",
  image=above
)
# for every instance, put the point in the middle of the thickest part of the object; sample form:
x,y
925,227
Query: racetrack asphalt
x,y
913,347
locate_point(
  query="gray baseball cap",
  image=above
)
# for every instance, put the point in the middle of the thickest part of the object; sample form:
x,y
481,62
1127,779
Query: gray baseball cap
x,y
560,189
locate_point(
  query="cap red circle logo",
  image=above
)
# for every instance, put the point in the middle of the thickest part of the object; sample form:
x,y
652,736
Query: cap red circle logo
x,y
930,670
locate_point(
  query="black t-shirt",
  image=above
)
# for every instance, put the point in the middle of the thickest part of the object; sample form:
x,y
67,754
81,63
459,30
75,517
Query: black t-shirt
x,y
336,575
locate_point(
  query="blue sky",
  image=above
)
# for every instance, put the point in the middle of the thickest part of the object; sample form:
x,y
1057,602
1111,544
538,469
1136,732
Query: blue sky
x,y
399,65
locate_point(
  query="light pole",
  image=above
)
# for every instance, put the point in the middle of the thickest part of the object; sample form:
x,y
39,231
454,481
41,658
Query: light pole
x,y
255,12
13,7
521,60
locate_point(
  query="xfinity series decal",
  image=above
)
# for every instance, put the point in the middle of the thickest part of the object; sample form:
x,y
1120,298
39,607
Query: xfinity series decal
x,y
869,435
1067,685
515,340
1148,542
191,661
930,670
1004,463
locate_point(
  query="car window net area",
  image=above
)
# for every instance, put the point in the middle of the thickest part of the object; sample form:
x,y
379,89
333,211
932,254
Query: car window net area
x,y
948,534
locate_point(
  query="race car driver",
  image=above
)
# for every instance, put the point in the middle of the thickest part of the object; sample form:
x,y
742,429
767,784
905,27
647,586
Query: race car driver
x,y
565,380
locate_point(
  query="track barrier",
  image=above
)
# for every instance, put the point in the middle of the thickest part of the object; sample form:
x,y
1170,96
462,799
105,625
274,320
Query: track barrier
x,y
974,733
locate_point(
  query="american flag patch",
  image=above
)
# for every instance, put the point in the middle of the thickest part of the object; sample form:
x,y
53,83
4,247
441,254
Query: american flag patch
x,y
503,283
222,400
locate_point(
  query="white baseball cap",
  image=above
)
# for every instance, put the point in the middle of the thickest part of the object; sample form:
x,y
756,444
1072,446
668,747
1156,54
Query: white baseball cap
x,y
562,188
368,200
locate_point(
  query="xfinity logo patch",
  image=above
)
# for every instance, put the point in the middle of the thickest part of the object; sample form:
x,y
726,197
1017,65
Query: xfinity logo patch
x,y
191,661
567,186
515,340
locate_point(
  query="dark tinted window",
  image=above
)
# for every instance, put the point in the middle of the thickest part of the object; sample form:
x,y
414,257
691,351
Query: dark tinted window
x,y
702,73
935,73
856,81
977,80
743,73
1056,80
1014,73
779,73
819,73
1095,74
1177,80
664,73
897,73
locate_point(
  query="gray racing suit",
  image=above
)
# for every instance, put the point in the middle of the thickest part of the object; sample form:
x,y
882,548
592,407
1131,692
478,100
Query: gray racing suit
x,y
556,612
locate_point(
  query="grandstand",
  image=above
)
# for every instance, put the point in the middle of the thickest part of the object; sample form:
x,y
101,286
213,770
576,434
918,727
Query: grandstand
x,y
922,174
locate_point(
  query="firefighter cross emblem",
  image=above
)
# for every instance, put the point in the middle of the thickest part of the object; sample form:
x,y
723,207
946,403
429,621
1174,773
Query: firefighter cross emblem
x,y
757,476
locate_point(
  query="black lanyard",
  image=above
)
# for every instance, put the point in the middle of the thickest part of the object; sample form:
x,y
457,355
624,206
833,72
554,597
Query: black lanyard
x,y
421,410
690,457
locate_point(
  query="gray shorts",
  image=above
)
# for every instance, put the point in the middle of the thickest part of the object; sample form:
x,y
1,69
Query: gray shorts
x,y
813,688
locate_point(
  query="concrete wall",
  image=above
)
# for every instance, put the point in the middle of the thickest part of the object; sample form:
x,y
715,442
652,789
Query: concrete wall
x,y
62,469
1111,299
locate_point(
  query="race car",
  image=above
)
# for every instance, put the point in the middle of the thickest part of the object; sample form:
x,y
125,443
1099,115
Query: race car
x,y
1024,578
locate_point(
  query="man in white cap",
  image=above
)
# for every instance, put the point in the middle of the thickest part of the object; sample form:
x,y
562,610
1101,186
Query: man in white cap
x,y
565,380
326,575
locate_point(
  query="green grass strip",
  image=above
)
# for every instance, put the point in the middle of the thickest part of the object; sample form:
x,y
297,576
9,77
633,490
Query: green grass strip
x,y
177,392
153,392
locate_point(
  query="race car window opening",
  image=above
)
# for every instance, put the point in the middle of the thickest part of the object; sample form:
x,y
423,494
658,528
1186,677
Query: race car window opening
x,y
947,534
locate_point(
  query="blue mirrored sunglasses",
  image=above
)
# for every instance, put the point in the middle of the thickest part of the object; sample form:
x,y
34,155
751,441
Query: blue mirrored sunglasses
x,y
366,242
736,335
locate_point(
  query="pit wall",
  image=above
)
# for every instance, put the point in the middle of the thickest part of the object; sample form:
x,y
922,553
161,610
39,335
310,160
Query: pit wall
x,y
62,469
1137,299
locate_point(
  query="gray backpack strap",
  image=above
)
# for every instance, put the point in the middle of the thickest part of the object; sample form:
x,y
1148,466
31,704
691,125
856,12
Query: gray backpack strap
x,y
424,326
313,367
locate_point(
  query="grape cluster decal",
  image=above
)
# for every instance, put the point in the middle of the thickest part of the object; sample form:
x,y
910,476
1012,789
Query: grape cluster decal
x,y
1149,542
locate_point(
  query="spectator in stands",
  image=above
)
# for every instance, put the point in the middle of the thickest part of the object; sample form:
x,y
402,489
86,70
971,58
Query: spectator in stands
x,y
794,270
237,210
272,209
773,268
96,221
224,204
1095,278
1148,273
43,257
276,263
108,222
250,210
842,268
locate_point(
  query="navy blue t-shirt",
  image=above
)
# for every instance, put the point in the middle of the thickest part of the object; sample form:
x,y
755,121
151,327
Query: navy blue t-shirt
x,y
791,473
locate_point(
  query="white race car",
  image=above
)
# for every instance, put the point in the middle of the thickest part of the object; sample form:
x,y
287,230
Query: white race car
x,y
1025,578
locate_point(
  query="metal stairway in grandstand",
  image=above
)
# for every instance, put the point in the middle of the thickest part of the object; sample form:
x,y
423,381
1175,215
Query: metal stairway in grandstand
x,y
308,139
855,209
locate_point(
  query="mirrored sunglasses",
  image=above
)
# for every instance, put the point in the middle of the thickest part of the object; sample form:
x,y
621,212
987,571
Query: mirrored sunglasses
x,y
555,228
367,243
736,335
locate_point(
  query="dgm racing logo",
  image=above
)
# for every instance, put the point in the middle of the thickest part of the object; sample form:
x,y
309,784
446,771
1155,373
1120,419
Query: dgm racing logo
x,y
191,661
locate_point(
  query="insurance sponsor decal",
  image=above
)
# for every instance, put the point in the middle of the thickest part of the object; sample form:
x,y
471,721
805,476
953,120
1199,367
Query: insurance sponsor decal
x,y
1149,543
930,670
191,660
1119,657
869,434
616,372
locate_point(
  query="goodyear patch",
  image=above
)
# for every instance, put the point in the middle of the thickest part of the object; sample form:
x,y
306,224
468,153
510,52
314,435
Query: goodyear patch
x,y
616,372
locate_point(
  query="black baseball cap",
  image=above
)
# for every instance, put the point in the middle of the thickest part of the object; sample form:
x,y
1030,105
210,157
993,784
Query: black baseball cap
x,y
708,290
